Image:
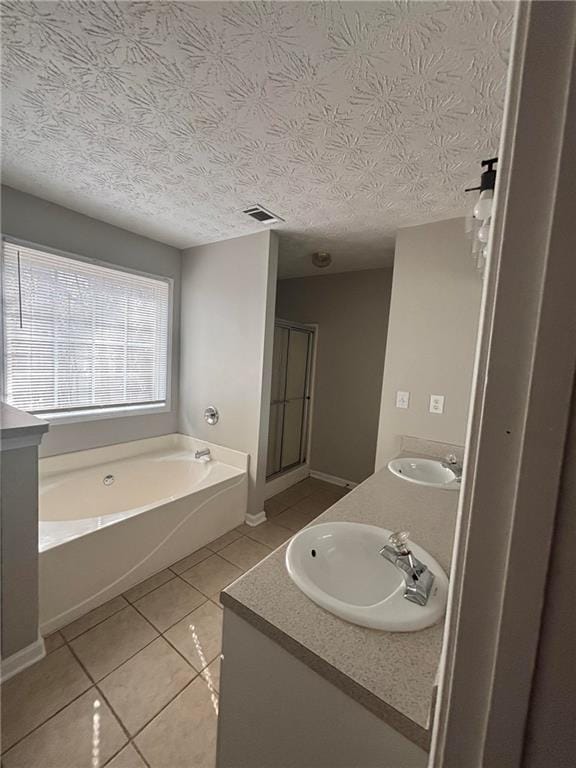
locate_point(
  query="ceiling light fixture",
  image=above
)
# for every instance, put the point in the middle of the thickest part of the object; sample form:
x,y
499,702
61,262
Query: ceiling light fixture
x,y
479,225
321,259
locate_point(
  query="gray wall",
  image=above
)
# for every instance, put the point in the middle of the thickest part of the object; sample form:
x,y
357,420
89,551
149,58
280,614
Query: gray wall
x,y
228,295
19,510
351,310
434,314
38,221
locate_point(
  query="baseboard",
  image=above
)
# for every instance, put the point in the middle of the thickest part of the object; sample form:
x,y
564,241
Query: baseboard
x,y
22,659
332,479
285,481
254,520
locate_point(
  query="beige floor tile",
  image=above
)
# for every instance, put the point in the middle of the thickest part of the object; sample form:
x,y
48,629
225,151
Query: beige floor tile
x,y
139,590
292,495
295,519
212,674
224,540
331,495
273,506
242,530
270,534
94,617
113,642
245,553
315,485
190,560
139,689
184,734
212,575
68,739
37,693
169,603
198,636
313,505
127,758
53,641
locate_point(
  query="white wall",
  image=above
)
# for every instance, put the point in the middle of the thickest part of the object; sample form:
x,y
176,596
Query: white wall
x,y
351,310
38,221
228,299
432,328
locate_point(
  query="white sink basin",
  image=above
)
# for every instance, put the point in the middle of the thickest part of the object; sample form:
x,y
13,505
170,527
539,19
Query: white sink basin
x,y
338,566
429,472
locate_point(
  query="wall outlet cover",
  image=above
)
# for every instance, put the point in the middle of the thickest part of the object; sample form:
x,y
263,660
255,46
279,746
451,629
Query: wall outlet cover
x,y
436,403
402,399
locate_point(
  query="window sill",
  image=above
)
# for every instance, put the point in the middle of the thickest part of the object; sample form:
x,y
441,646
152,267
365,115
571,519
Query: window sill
x,y
76,417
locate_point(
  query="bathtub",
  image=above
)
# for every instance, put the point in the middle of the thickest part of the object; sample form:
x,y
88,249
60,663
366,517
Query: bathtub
x,y
111,517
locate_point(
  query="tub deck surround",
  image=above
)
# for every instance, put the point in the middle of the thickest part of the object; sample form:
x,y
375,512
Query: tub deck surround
x,y
111,517
391,674
75,500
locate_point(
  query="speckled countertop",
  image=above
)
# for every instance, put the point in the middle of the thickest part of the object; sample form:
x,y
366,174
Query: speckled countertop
x,y
391,674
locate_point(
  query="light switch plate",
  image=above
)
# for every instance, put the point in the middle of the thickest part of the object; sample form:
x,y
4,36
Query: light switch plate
x,y
436,403
402,399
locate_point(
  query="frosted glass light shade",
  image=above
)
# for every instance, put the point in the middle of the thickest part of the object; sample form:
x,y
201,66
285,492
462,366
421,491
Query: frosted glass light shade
x,y
483,208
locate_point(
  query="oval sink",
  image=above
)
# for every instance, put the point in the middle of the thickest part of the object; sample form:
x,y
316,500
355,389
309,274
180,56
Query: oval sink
x,y
339,567
431,472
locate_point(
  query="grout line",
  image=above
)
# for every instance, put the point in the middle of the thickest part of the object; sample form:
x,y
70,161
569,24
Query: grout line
x,y
210,552
245,570
53,715
95,684
122,748
139,752
171,644
116,714
131,602
147,723
122,607
161,631
128,658
191,682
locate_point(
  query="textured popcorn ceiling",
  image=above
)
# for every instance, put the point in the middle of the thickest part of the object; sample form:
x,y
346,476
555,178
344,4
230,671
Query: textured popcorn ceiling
x,y
348,120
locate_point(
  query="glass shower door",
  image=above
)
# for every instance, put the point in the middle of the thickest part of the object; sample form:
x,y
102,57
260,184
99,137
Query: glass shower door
x,y
290,398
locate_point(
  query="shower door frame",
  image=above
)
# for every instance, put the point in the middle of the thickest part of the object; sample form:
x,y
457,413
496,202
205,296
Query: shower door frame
x,y
306,433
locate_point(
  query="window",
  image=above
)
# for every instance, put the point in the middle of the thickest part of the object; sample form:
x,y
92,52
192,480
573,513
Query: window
x,y
80,336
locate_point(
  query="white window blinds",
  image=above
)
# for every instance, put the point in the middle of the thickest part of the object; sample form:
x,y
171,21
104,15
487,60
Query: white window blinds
x,y
81,336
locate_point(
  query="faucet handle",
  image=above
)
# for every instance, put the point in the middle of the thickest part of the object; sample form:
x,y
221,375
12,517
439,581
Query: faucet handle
x,y
451,458
398,541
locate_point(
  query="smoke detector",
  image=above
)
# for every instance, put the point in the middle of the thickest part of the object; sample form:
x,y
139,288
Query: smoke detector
x,y
261,214
321,259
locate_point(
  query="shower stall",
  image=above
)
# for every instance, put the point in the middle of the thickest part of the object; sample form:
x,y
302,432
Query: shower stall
x,y
291,396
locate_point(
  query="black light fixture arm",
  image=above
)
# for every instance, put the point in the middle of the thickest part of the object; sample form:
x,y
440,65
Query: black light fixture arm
x,y
488,177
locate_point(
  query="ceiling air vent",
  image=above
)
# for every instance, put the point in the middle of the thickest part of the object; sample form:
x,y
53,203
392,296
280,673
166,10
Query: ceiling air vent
x,y
262,215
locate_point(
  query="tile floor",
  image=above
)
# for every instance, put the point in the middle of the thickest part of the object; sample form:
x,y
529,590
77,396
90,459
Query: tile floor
x,y
134,683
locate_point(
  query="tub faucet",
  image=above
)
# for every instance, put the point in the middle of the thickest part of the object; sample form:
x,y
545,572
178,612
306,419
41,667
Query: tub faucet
x,y
418,579
203,453
452,463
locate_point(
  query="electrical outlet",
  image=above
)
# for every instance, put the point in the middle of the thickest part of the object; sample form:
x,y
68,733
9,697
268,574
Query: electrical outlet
x,y
436,403
402,399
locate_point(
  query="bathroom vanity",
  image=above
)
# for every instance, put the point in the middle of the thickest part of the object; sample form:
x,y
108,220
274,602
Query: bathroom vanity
x,y
306,689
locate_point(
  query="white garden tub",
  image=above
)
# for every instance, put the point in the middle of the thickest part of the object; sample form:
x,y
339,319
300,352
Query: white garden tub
x,y
110,517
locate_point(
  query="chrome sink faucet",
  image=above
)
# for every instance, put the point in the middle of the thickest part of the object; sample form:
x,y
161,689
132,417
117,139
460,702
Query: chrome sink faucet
x,y
453,464
418,579
203,453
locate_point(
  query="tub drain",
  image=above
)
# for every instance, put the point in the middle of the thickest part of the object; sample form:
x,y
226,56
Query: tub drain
x,y
108,480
